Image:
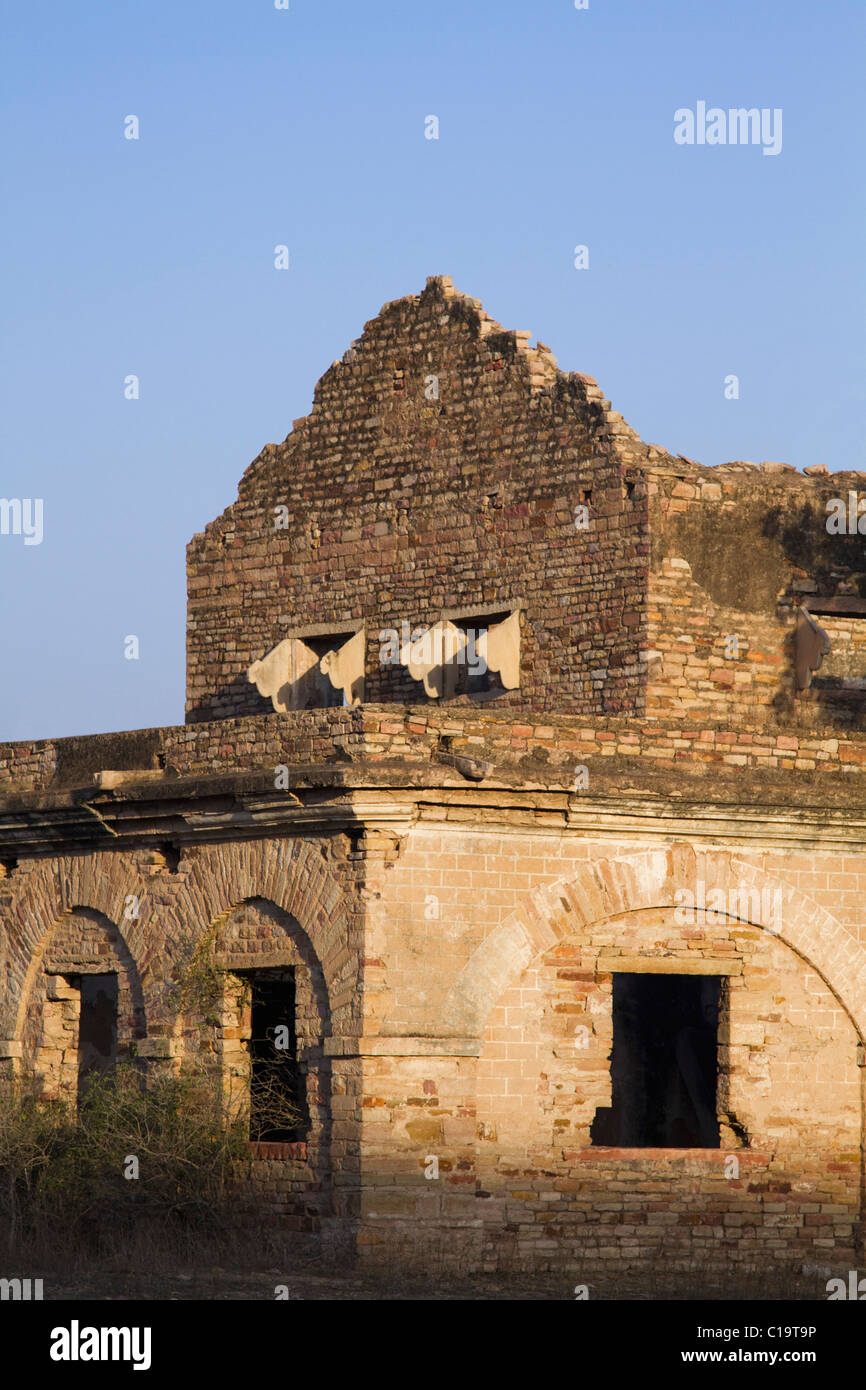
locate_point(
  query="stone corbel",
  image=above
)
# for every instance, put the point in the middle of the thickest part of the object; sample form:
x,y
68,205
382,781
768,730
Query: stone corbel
x,y
345,668
500,648
435,656
432,658
286,676
811,645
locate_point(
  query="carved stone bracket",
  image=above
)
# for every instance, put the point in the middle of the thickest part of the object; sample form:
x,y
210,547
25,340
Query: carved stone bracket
x,y
291,673
435,656
811,645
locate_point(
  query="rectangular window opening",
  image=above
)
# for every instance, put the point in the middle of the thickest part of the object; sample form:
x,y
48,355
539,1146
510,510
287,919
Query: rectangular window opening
x,y
474,677
277,1100
324,695
664,1063
97,1025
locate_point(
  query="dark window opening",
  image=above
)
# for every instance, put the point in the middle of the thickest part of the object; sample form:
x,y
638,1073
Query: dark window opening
x,y
664,1066
97,1025
277,1100
325,694
474,676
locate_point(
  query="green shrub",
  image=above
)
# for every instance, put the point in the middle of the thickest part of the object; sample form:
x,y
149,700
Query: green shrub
x,y
66,1164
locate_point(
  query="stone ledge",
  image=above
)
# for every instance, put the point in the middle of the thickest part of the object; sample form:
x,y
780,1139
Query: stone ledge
x,y
609,964
402,1047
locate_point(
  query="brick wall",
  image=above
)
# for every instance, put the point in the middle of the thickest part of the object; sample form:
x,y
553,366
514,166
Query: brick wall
x,y
519,1184
735,550
454,987
401,506
788,1075
545,750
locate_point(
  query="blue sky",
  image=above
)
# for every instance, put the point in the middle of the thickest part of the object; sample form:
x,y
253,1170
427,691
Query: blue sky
x,y
305,127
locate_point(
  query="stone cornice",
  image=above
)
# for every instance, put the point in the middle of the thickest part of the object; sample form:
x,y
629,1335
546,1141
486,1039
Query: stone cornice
x,y
192,810
780,826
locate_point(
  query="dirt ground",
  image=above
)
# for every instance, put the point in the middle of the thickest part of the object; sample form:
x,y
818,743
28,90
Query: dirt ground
x,y
222,1285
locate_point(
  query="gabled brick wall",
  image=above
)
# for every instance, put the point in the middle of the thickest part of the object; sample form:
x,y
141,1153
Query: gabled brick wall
x,y
401,506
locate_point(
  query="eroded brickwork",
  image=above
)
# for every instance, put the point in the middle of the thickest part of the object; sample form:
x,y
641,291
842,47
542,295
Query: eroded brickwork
x,y
735,551
439,470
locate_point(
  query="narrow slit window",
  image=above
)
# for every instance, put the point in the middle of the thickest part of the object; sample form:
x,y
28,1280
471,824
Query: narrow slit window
x,y
325,694
97,1025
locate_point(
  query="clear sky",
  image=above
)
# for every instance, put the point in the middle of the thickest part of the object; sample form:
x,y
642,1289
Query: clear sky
x,y
306,127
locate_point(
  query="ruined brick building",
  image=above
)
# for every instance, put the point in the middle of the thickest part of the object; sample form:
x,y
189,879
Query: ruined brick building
x,y
565,914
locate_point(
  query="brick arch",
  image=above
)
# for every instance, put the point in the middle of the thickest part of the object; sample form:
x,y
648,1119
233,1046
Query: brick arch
x,y
638,882
177,910
227,936
287,944
293,877
51,890
58,956
236,945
